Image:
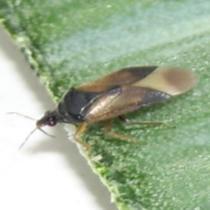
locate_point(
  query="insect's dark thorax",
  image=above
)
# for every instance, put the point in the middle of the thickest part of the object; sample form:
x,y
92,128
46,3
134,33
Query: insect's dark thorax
x,y
70,108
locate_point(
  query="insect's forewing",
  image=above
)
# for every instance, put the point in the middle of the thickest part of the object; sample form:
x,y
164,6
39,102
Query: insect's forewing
x,y
120,101
124,76
154,87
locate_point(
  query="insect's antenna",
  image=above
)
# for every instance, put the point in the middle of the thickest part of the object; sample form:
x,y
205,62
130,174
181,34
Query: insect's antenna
x,y
43,131
27,138
22,115
29,135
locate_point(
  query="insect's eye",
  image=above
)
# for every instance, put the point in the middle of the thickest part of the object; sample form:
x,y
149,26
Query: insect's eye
x,y
52,121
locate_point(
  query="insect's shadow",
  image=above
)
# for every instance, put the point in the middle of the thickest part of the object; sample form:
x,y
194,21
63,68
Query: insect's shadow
x,y
72,157
60,144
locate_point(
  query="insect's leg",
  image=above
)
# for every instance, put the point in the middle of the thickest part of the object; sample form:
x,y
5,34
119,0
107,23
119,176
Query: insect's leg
x,y
80,131
108,131
133,122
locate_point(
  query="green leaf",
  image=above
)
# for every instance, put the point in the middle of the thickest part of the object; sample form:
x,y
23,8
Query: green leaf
x,y
69,42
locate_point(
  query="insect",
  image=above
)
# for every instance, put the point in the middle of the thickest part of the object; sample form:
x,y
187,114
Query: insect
x,y
117,94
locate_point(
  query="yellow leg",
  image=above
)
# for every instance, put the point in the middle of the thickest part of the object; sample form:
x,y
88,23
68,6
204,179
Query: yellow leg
x,y
133,122
80,131
108,131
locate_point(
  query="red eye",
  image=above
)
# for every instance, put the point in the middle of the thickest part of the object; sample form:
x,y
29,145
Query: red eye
x,y
52,121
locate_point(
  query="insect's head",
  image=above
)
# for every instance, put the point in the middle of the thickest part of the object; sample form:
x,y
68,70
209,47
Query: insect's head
x,y
50,118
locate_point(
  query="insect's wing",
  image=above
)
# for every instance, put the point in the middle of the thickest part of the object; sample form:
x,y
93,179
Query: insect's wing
x,y
120,101
155,87
173,81
124,76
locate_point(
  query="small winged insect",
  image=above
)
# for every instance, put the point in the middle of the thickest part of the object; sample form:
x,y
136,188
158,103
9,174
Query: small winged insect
x,y
117,94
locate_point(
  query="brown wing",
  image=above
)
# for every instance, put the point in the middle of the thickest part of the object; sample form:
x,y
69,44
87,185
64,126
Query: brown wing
x,y
124,76
120,101
155,86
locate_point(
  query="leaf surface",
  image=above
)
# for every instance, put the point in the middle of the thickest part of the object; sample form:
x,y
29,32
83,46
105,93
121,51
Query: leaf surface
x,y
72,42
